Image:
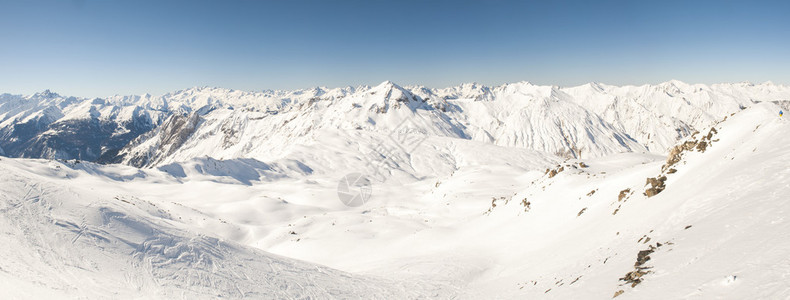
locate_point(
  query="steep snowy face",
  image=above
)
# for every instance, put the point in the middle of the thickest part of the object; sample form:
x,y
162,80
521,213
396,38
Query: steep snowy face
x,y
659,115
541,118
154,146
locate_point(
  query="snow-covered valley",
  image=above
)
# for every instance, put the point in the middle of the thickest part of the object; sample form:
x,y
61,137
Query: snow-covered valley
x,y
518,191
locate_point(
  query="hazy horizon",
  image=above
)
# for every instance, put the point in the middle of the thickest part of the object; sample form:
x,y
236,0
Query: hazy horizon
x,y
378,83
102,48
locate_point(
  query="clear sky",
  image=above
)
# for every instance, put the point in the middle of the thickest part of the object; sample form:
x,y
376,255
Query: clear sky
x,y
96,48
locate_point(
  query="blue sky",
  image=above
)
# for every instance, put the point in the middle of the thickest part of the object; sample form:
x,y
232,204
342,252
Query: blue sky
x,y
96,48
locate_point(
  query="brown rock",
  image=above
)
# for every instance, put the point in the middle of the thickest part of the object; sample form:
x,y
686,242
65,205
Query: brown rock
x,y
656,185
623,194
642,257
702,146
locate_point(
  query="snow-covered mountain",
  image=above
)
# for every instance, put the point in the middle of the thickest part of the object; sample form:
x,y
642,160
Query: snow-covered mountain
x,y
591,120
456,216
47,125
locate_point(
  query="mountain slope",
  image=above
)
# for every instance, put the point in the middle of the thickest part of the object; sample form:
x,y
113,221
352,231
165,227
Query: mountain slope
x,y
64,239
716,230
591,120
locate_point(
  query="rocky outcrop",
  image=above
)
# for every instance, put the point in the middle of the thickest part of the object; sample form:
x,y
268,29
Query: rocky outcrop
x,y
640,269
164,141
525,204
676,153
555,171
656,185
623,194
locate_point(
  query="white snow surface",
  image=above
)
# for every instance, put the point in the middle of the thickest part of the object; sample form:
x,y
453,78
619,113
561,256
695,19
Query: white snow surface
x,y
247,206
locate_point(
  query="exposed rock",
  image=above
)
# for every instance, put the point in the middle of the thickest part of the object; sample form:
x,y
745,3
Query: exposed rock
x,y
554,172
618,293
677,153
635,277
702,146
526,204
711,133
623,194
581,212
656,185
170,136
643,256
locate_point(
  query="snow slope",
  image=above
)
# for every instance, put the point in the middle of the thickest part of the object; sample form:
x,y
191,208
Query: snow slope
x,y
719,225
74,238
452,218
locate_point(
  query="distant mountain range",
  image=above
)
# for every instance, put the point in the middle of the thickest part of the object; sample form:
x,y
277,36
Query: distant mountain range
x,y
590,120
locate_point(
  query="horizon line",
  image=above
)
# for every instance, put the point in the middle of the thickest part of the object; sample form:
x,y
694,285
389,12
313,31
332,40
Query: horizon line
x,y
200,87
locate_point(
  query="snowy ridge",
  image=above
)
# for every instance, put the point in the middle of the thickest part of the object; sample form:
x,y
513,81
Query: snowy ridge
x,y
584,121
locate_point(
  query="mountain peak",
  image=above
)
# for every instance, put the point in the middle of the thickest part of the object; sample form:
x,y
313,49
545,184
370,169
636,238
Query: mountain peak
x,y
388,84
47,94
393,93
596,86
388,87
674,82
